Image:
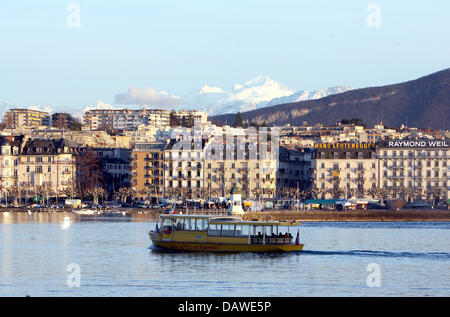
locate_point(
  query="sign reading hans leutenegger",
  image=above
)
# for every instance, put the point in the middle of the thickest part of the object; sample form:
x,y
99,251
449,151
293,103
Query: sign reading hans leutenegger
x,y
415,144
345,145
386,144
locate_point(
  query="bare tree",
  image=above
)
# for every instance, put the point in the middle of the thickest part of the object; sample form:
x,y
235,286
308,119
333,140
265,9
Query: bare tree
x,y
89,173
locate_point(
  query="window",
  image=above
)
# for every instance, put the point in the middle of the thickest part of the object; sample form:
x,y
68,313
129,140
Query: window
x,y
227,230
213,229
201,224
49,169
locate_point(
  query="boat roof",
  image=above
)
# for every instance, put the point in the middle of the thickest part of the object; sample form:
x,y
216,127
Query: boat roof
x,y
231,220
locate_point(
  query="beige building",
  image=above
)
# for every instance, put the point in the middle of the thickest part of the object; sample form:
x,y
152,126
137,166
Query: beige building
x,y
345,170
125,119
47,167
250,165
199,117
17,118
183,166
415,169
9,161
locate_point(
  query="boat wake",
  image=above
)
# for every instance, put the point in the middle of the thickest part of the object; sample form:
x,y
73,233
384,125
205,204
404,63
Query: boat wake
x,y
370,253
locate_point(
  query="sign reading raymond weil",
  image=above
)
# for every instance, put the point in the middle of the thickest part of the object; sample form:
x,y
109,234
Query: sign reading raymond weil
x,y
415,144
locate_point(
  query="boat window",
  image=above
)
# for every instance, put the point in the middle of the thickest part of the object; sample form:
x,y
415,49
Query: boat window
x,y
268,230
239,230
166,223
214,230
189,224
178,224
201,224
258,230
227,230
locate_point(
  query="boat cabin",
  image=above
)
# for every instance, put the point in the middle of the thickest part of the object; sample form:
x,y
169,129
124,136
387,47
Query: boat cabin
x,y
208,228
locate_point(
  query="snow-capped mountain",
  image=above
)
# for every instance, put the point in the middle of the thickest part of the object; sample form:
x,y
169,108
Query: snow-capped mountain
x,y
257,93
306,95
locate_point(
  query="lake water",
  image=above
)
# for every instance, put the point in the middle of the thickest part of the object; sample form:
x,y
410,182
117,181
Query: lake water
x,y
45,254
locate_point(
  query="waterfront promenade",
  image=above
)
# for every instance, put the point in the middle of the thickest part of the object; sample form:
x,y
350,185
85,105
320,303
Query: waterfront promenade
x,y
287,215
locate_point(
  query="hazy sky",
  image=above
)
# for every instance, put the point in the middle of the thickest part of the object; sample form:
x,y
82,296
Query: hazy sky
x,y
178,46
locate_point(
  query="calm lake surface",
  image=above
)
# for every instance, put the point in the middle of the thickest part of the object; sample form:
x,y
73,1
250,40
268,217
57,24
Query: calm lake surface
x,y
40,253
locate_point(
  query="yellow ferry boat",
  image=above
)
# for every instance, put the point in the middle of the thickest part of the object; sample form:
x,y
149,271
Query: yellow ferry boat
x,y
223,234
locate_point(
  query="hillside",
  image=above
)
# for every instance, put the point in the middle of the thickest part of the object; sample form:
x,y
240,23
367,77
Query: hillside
x,y
423,103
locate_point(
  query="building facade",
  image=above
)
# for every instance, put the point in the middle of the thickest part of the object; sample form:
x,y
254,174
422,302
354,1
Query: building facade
x,y
48,167
415,169
345,170
125,119
18,118
9,163
147,171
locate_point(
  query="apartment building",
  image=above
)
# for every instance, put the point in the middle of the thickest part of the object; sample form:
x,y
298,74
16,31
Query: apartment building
x,y
344,169
125,119
183,163
245,160
48,165
147,171
19,118
190,117
294,168
415,169
9,161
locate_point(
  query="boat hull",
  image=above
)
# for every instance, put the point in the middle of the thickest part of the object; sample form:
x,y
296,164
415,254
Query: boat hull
x,y
219,247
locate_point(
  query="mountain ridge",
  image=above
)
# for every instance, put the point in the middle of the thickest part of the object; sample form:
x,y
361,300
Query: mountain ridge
x,y
423,102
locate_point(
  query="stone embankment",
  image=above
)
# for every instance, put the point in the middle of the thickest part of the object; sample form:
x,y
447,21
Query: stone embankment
x,y
362,216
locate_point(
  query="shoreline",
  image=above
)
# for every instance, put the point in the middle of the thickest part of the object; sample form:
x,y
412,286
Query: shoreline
x,y
302,216
353,216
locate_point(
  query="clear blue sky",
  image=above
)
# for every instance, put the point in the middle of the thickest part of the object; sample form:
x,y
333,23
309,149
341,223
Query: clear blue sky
x,y
178,46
